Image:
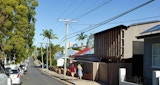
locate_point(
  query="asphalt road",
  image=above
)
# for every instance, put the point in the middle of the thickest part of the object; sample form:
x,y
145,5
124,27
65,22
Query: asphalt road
x,y
35,77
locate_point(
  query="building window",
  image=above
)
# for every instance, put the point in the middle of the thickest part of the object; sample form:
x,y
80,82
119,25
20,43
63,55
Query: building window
x,y
156,55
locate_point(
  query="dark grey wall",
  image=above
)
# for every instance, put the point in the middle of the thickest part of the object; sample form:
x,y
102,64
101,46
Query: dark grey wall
x,y
147,69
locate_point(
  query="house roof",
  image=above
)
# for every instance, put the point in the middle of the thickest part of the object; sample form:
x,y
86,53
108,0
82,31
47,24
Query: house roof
x,y
148,36
91,51
155,28
81,52
148,22
70,52
152,32
116,27
88,57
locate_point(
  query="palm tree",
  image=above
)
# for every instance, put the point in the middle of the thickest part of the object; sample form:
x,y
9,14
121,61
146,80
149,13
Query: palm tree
x,y
90,40
49,35
81,37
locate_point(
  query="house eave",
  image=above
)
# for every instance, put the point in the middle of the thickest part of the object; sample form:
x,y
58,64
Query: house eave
x,y
148,36
142,23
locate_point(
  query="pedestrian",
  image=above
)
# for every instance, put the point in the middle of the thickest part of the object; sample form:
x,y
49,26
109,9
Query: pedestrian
x,y
80,74
73,71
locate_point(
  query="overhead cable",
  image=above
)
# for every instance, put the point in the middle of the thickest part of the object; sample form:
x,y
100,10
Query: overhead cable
x,y
111,19
62,40
92,10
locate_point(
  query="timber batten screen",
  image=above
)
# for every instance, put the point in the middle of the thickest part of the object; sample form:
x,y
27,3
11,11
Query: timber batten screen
x,y
108,43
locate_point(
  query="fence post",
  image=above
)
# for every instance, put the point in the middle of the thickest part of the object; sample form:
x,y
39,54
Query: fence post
x,y
122,74
156,78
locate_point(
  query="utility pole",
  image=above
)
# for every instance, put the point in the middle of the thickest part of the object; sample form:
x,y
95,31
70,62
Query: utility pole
x,y
50,45
66,38
47,54
42,56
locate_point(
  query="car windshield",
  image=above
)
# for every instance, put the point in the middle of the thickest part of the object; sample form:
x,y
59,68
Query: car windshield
x,y
14,72
7,69
22,66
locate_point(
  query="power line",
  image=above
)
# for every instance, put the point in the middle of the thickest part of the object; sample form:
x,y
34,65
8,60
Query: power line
x,y
91,6
120,15
92,10
64,13
111,19
125,21
101,4
135,20
62,40
69,6
76,8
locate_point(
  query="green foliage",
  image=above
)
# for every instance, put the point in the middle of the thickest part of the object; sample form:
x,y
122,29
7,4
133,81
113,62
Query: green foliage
x,y
54,48
77,48
17,28
90,41
21,10
54,63
49,35
135,79
81,37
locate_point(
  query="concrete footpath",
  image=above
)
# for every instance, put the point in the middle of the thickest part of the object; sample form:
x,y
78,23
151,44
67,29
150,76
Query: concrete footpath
x,y
68,79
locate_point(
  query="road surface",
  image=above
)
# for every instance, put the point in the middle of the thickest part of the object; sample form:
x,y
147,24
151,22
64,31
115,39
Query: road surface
x,y
35,77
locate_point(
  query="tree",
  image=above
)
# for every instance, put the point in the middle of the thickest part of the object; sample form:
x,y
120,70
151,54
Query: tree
x,y
55,48
17,27
90,40
49,35
81,37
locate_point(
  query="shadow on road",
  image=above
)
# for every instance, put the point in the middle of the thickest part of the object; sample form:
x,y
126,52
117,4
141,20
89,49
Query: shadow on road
x,y
68,81
36,66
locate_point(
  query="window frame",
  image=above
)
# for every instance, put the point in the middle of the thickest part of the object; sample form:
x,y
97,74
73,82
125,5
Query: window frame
x,y
154,66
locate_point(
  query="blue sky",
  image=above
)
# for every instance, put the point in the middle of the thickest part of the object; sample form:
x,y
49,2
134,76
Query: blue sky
x,y
93,11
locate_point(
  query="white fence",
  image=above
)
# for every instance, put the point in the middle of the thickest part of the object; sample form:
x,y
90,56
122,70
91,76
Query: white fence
x,y
122,76
156,78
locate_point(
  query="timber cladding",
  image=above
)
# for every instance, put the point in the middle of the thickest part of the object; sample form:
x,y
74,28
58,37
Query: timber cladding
x,y
108,44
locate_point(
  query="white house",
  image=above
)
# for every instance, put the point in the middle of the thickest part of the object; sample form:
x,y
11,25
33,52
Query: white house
x,y
59,56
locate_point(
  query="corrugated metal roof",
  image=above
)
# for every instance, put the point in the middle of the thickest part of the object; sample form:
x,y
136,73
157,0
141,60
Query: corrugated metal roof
x,y
70,52
155,28
135,24
148,36
81,52
116,27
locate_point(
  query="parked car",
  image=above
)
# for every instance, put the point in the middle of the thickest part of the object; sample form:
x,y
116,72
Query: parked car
x,y
21,70
4,78
7,70
16,77
24,67
44,65
51,68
